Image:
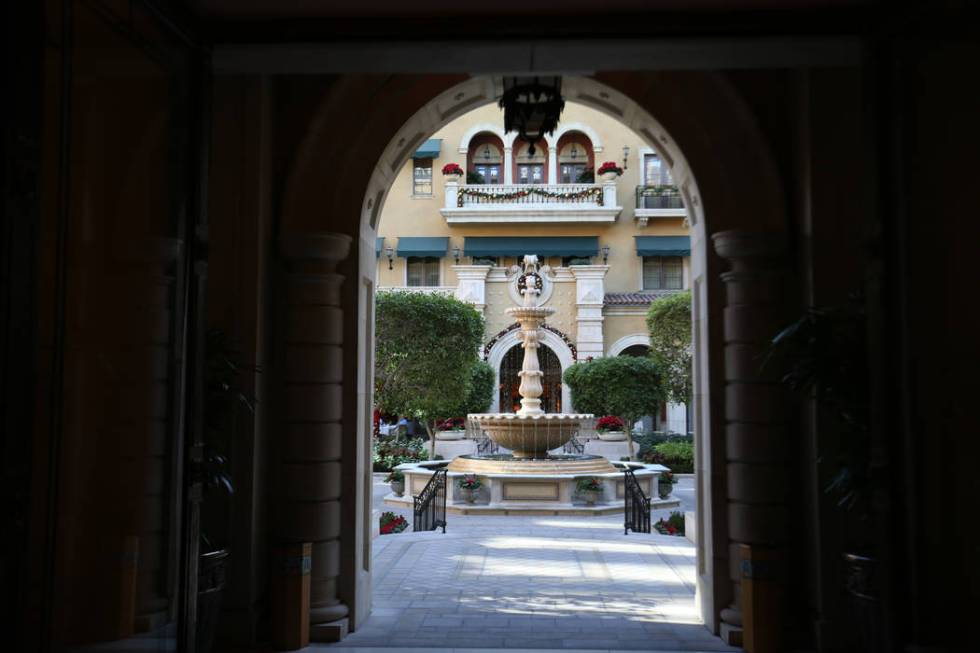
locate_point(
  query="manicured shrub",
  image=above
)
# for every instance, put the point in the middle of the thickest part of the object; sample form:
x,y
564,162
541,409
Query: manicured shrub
x,y
679,456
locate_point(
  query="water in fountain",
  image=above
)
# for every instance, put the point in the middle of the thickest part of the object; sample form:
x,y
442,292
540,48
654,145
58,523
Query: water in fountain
x,y
530,433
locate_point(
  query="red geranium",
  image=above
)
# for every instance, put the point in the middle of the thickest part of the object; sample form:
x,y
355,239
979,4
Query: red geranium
x,y
610,166
609,423
392,523
452,169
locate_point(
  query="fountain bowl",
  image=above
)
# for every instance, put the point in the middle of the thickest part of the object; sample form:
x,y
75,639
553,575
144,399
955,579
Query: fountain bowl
x,y
530,436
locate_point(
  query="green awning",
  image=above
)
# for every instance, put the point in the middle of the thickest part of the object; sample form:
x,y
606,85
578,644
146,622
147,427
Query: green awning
x,y
429,149
379,245
423,246
540,245
663,245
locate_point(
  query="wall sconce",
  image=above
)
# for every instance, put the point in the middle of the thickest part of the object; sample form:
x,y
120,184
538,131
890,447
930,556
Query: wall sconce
x,y
390,253
456,254
605,254
626,156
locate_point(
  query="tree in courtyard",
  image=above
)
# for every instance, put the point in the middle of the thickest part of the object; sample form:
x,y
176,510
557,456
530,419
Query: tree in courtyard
x,y
425,353
625,386
482,382
669,322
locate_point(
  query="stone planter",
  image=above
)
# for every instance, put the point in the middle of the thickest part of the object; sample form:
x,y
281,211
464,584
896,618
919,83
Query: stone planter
x,y
398,488
609,176
450,435
664,489
591,498
612,436
454,178
466,494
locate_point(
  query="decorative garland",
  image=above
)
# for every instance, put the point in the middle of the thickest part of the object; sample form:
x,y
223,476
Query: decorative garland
x,y
586,193
516,325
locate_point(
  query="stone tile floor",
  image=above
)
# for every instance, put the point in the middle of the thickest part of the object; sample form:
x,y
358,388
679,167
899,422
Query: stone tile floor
x,y
531,584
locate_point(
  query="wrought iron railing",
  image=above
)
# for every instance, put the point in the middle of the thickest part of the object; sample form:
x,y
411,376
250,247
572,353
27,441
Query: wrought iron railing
x,y
530,194
658,197
430,504
637,512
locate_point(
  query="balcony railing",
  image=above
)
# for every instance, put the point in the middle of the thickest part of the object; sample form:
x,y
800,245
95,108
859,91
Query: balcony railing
x,y
658,197
530,203
530,194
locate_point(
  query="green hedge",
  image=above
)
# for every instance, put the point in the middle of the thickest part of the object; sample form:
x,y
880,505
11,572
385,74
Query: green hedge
x,y
391,452
676,453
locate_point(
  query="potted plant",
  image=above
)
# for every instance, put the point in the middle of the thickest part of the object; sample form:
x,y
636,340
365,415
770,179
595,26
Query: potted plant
x,y
468,487
610,428
397,482
609,171
673,525
665,484
391,523
453,428
590,489
453,171
224,399
473,177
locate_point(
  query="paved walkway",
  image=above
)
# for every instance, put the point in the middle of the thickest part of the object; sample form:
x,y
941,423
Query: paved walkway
x,y
532,583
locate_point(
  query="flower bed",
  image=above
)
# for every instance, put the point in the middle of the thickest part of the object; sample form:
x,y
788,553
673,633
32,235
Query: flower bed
x,y
392,523
673,525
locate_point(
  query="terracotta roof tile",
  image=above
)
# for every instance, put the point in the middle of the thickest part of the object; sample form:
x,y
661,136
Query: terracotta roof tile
x,y
635,298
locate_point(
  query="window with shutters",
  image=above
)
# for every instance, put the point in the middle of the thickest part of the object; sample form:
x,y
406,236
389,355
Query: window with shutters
x,y
663,273
423,271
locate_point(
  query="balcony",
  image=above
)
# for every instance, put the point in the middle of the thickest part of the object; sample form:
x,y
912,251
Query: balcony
x,y
658,201
530,203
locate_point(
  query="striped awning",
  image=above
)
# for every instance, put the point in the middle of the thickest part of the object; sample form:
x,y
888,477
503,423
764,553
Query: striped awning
x,y
663,245
540,245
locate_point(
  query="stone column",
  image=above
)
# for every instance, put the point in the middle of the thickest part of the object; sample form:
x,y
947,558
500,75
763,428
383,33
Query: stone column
x,y
609,196
589,296
308,508
553,165
755,411
508,165
451,194
472,285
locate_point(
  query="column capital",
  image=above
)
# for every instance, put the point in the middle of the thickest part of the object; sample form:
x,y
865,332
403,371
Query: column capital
x,y
318,246
746,249
471,271
589,271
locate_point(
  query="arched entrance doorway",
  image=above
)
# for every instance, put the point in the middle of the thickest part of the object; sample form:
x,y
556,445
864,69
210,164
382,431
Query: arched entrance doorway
x,y
510,400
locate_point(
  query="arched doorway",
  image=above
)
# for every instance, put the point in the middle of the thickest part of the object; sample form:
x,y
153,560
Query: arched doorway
x,y
510,399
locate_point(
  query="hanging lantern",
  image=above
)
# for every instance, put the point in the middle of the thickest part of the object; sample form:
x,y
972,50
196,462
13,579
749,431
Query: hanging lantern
x,y
532,106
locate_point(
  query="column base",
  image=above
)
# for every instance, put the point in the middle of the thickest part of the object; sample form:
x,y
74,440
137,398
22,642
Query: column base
x,y
731,635
331,631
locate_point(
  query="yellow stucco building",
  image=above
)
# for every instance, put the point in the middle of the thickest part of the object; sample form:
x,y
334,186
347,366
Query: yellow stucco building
x,y
610,245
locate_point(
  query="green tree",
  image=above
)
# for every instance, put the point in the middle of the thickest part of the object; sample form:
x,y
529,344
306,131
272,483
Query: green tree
x,y
625,386
482,382
669,322
425,351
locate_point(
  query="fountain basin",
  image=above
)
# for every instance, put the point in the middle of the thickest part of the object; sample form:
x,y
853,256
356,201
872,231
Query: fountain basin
x,y
535,493
529,436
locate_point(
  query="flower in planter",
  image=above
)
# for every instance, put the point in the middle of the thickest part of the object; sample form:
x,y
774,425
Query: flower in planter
x,y
667,478
452,424
588,484
395,477
392,523
469,482
609,166
452,169
608,423
673,525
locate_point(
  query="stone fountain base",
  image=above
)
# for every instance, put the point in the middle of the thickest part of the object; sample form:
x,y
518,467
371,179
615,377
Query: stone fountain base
x,y
538,493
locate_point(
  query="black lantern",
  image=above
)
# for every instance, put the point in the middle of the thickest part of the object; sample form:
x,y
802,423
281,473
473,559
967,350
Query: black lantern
x,y
532,106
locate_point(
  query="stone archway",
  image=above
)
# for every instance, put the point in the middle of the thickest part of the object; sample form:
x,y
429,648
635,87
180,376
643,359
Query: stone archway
x,y
736,179
549,339
626,342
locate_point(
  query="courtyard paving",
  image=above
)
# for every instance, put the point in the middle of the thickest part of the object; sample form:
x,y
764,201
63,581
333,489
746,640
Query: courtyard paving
x,y
533,583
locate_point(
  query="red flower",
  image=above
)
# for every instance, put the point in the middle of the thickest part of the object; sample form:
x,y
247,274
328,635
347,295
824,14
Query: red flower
x,y
610,166
452,169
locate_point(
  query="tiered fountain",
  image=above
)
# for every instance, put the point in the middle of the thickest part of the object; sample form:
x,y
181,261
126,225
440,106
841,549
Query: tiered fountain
x,y
531,478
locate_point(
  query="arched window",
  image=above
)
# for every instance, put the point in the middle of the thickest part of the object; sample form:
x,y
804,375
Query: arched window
x,y
531,168
486,160
510,398
574,159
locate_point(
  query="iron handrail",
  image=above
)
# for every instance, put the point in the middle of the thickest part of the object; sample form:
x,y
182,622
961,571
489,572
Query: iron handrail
x,y
430,504
637,506
658,196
